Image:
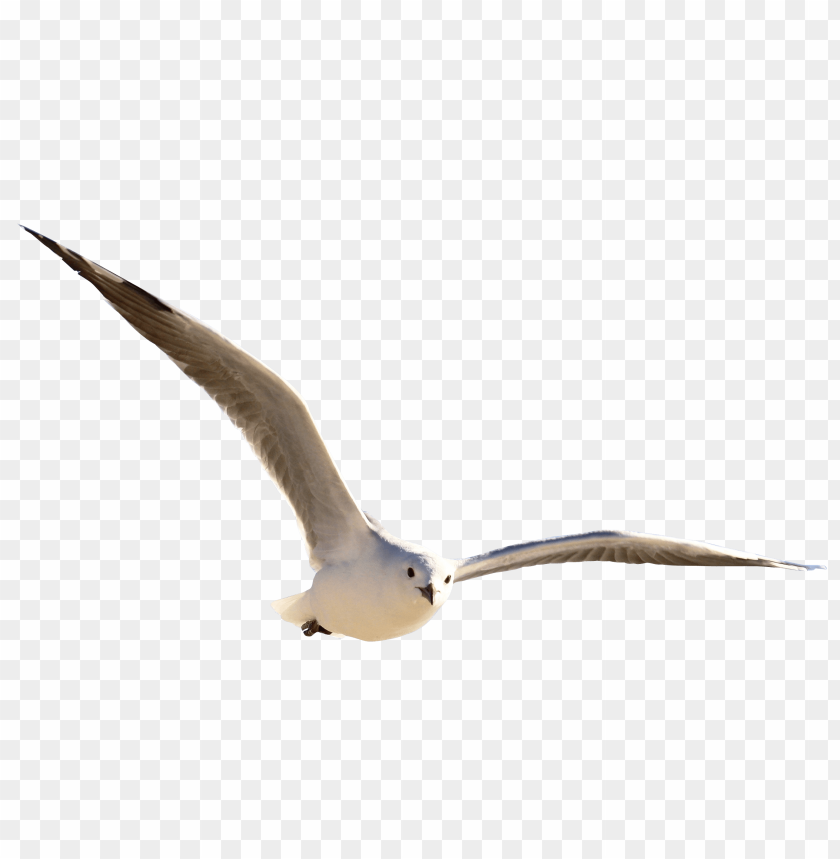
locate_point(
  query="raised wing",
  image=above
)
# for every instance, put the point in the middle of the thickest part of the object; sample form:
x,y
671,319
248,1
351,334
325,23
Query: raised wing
x,y
623,547
273,418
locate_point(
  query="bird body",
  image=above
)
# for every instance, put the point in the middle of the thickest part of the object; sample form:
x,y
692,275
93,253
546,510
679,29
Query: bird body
x,y
373,598
368,583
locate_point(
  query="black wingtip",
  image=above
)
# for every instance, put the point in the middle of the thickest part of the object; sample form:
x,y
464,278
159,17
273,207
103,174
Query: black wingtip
x,y
54,246
81,265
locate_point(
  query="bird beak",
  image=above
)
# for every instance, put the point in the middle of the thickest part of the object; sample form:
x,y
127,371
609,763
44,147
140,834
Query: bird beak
x,y
429,592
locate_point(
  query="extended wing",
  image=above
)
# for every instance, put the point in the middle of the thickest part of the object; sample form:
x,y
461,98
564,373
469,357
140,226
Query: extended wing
x,y
623,547
271,415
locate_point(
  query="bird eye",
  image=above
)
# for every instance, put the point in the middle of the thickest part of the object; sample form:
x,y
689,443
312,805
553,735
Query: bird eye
x,y
410,573
447,580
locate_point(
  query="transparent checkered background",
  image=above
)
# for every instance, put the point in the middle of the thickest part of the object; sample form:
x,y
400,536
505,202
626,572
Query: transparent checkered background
x,y
534,273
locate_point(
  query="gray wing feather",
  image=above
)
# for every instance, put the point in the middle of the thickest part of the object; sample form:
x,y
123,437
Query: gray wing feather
x,y
623,547
271,415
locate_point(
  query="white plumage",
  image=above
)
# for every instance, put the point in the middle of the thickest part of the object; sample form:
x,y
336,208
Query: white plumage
x,y
368,584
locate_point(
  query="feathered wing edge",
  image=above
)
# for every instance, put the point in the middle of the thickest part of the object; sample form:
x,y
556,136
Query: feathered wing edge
x,y
271,415
623,547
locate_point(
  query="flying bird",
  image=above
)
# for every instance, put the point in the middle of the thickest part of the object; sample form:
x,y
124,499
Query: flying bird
x,y
368,583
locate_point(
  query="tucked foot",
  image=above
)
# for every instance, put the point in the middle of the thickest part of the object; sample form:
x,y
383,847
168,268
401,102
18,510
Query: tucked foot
x,y
311,627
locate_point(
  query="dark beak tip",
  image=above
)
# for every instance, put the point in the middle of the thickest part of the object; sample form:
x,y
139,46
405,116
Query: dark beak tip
x,y
429,592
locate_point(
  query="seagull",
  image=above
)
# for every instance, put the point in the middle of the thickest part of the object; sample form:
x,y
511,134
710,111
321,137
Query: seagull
x,y
368,584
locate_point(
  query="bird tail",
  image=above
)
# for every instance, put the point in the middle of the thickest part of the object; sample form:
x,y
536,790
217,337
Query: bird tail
x,y
298,611
294,609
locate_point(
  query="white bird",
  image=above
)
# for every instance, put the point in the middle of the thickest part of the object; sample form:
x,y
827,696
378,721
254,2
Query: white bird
x,y
368,584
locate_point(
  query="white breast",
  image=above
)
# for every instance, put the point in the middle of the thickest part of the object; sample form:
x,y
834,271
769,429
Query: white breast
x,y
367,604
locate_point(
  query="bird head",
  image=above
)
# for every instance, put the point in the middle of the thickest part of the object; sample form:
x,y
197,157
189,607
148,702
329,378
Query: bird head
x,y
428,578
